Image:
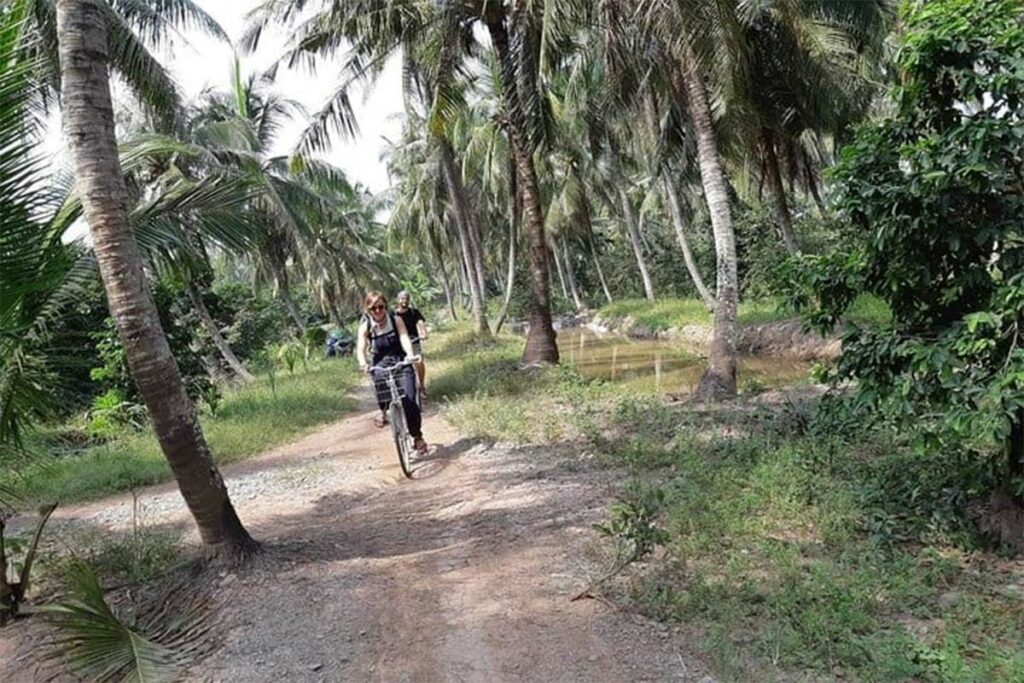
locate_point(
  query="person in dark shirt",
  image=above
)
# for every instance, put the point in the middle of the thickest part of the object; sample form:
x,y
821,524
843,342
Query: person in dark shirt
x,y
417,326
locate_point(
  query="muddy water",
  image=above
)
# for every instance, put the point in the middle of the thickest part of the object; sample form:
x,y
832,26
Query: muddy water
x,y
663,366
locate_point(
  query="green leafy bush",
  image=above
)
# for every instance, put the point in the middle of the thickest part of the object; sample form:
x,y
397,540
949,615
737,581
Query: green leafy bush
x,y
111,415
250,321
633,521
182,336
931,203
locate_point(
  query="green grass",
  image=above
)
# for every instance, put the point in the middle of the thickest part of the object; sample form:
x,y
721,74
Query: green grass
x,y
869,310
805,551
660,315
250,420
486,394
664,314
790,550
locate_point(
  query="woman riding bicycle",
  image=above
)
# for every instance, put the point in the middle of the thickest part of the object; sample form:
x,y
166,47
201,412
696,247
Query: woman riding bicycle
x,y
385,334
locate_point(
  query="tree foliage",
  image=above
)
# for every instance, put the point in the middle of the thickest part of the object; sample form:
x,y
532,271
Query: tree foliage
x,y
933,202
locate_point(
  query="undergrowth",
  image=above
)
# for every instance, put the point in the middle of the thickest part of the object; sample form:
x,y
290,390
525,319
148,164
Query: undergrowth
x,y
487,394
791,542
853,555
248,421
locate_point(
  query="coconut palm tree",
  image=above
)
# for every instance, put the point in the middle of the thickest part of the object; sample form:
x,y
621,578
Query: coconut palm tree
x,y
176,214
345,245
709,51
133,27
797,72
719,380
238,129
519,64
44,276
419,206
84,41
437,35
428,35
480,132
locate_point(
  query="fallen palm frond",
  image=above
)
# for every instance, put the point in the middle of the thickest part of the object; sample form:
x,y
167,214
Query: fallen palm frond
x,y
157,642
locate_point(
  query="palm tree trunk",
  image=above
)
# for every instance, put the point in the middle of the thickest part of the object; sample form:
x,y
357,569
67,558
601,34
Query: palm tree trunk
x,y
334,310
284,292
719,380
215,369
540,341
464,226
570,276
460,271
581,211
629,219
89,126
221,344
779,192
513,237
449,299
675,205
445,281
553,251
337,295
510,277
676,209
476,241
447,285
812,185
600,271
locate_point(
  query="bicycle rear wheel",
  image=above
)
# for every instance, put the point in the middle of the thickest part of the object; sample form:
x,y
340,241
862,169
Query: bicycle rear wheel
x,y
403,441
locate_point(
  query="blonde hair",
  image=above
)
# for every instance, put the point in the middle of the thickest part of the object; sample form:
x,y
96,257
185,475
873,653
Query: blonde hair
x,y
372,298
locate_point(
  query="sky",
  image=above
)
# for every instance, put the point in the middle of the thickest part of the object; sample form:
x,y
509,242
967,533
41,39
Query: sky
x,y
197,61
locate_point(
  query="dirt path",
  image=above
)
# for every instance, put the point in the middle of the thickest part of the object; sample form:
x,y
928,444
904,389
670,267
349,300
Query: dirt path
x,y
463,574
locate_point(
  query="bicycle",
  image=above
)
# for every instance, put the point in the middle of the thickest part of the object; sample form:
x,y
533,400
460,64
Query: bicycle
x,y
396,411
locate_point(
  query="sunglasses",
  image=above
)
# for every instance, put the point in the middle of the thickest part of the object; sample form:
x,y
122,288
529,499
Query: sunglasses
x,y
378,307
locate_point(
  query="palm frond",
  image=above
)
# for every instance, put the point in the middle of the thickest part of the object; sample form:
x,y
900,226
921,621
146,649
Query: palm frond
x,y
155,21
100,646
33,260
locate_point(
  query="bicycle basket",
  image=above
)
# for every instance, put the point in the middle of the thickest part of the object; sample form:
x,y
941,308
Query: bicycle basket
x,y
382,386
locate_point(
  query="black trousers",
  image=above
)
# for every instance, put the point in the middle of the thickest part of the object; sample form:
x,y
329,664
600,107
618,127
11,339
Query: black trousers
x,y
406,379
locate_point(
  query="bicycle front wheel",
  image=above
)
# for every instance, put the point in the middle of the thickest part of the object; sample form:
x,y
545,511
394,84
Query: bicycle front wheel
x,y
403,441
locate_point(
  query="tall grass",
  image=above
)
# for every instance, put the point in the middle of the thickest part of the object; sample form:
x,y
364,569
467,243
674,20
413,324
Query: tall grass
x,y
250,420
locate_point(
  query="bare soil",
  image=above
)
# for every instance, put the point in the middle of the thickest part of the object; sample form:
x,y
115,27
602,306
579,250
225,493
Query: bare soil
x,y
465,573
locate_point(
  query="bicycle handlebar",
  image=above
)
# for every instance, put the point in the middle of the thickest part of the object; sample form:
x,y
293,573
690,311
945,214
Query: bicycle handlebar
x,y
391,368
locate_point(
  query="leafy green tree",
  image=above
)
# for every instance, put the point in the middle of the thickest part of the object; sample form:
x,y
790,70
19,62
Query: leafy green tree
x,y
934,199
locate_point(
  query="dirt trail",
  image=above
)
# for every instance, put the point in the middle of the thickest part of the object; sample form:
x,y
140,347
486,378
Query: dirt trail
x,y
463,574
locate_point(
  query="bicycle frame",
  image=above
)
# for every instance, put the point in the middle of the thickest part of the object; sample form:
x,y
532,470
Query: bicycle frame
x,y
396,409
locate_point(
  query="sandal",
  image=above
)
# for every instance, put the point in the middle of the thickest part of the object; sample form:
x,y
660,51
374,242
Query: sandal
x,y
420,445
380,421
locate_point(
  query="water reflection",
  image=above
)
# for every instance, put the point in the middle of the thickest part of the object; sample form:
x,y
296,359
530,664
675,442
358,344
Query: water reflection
x,y
663,366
